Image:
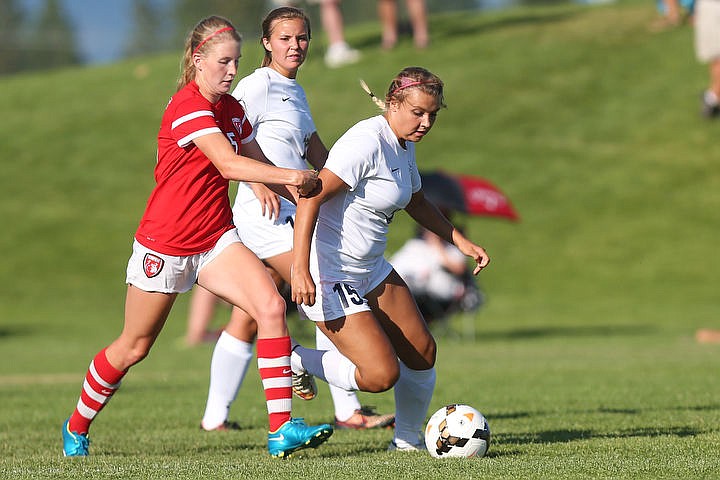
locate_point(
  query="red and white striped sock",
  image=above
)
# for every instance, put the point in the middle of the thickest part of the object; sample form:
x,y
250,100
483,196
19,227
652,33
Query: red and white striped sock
x,y
101,382
274,365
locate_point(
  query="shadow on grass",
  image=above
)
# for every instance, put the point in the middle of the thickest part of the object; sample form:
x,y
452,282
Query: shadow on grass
x,y
575,331
569,435
7,331
230,447
513,415
505,453
326,450
564,436
604,410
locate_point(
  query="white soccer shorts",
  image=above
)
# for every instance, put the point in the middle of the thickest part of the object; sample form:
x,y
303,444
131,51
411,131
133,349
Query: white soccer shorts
x,y
156,272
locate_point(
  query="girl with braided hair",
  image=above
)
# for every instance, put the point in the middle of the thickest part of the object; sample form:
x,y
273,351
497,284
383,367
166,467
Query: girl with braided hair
x,y
340,278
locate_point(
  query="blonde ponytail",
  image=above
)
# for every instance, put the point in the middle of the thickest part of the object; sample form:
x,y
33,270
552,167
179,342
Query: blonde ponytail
x,y
374,99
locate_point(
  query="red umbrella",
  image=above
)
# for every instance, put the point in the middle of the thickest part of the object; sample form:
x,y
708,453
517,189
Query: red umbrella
x,y
467,194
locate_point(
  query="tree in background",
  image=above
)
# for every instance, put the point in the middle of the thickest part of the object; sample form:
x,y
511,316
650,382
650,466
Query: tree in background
x,y
52,39
12,38
149,29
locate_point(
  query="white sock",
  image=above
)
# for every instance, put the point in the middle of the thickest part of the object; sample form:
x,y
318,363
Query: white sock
x,y
345,402
327,365
413,392
229,364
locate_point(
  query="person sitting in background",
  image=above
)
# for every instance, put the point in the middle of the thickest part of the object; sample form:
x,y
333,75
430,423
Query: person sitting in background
x,y
440,282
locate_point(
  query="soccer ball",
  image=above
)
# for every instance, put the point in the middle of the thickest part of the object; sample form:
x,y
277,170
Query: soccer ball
x,y
457,431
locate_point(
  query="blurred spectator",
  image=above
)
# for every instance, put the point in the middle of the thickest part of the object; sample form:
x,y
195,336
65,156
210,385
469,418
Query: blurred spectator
x,y
430,265
387,11
437,274
202,311
707,49
707,335
673,14
338,52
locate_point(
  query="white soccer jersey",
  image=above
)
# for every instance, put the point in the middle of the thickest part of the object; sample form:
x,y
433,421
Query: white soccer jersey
x,y
278,109
279,112
351,233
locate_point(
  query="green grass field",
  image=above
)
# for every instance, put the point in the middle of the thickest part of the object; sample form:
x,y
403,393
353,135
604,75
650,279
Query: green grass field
x,y
584,359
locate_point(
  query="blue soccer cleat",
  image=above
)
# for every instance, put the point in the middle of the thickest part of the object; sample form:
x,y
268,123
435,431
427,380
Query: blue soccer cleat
x,y
294,435
74,444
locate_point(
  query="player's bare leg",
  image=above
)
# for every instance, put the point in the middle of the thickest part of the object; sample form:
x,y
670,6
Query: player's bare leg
x,y
262,302
395,308
361,339
145,315
258,298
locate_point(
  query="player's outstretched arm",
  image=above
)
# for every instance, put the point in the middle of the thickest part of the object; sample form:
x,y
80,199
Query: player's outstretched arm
x,y
427,214
245,169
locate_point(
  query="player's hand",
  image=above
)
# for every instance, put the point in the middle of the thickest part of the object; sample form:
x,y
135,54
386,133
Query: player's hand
x,y
303,287
306,181
269,200
482,259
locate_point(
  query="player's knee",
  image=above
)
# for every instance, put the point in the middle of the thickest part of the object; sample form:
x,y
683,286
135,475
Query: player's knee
x,y
137,356
277,307
380,380
272,312
136,353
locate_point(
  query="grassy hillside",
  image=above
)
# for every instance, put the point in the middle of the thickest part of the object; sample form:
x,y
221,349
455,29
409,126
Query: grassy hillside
x,y
588,122
584,119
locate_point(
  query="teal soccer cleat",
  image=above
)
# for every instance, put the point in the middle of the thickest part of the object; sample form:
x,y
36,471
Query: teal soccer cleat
x,y
74,444
294,435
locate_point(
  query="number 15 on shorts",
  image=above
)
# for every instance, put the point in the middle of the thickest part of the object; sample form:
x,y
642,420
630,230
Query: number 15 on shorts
x,y
345,292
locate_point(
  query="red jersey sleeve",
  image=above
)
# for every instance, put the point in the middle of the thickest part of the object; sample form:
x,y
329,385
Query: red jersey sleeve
x,y
192,118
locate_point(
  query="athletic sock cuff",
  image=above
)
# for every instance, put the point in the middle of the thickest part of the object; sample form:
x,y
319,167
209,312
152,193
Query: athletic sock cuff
x,y
106,371
273,347
234,345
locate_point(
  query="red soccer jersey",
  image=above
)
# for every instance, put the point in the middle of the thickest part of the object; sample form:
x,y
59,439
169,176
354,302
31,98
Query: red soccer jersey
x,y
189,208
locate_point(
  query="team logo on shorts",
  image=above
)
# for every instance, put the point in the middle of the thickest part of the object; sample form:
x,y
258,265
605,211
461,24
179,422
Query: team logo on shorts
x,y
152,265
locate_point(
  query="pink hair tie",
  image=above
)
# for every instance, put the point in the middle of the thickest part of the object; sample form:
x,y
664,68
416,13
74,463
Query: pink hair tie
x,y
224,29
404,83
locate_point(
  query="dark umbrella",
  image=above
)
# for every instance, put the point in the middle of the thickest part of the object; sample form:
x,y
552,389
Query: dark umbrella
x,y
466,194
443,191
